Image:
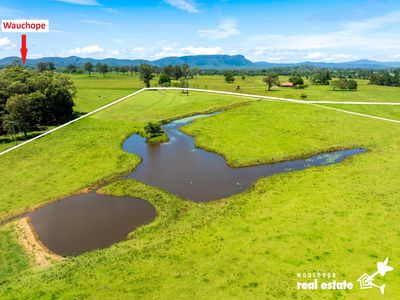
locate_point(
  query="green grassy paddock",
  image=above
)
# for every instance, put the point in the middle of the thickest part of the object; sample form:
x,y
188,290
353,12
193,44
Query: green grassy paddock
x,y
342,218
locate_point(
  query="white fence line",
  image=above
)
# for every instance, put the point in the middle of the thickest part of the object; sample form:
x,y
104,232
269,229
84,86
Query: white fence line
x,y
221,93
276,98
357,114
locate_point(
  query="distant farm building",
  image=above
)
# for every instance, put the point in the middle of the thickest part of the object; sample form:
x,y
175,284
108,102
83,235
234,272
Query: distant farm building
x,y
287,84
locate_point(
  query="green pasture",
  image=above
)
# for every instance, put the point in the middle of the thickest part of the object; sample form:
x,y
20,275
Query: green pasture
x,y
341,218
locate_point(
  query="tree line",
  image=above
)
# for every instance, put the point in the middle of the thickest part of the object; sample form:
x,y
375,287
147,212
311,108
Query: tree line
x,y
30,100
317,75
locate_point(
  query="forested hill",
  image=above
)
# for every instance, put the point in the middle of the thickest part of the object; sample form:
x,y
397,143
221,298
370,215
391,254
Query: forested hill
x,y
216,62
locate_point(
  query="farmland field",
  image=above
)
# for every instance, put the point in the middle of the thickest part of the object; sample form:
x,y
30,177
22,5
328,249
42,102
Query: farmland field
x,y
339,218
97,91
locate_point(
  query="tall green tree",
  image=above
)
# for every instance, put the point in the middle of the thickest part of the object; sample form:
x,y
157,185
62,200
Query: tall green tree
x,y
271,79
102,68
146,74
42,67
164,80
20,112
88,67
229,77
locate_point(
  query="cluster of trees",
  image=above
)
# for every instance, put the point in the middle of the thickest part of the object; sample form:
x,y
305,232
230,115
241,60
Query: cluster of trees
x,y
344,84
30,100
104,68
321,77
386,78
178,72
45,66
297,81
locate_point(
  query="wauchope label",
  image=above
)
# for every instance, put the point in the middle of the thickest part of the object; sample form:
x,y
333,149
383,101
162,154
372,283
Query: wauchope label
x,y
25,25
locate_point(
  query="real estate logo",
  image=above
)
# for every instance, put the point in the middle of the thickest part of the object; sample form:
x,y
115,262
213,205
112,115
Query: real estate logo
x,y
367,281
329,281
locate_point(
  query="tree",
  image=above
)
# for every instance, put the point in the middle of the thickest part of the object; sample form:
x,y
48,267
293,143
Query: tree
x,y
51,66
124,69
164,80
153,129
42,67
243,77
60,94
271,79
335,84
88,67
296,80
229,78
19,111
322,77
186,71
146,74
344,84
133,69
102,68
352,84
177,72
71,68
33,99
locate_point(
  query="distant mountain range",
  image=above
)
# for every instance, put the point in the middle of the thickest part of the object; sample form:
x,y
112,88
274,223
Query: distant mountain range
x,y
218,62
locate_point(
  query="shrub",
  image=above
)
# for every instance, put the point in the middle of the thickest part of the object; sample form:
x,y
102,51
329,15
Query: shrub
x,y
296,80
164,80
155,133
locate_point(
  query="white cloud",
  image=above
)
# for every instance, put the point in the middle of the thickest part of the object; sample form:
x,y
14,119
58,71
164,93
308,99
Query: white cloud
x,y
6,44
81,2
202,50
185,5
293,55
225,29
373,23
95,49
96,22
160,52
367,34
315,55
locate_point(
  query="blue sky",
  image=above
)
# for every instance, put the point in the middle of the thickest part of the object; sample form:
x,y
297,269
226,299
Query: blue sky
x,y
269,30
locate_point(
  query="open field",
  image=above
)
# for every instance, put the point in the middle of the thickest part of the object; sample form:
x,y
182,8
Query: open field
x,y
255,85
342,218
251,85
97,91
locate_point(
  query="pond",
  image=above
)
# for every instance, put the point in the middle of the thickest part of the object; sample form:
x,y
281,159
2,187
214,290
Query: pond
x,y
86,222
89,221
181,168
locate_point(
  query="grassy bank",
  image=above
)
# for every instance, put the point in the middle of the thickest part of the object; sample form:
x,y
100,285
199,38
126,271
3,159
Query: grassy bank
x,y
342,218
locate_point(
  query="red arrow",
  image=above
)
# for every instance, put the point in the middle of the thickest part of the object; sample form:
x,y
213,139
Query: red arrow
x,y
24,50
